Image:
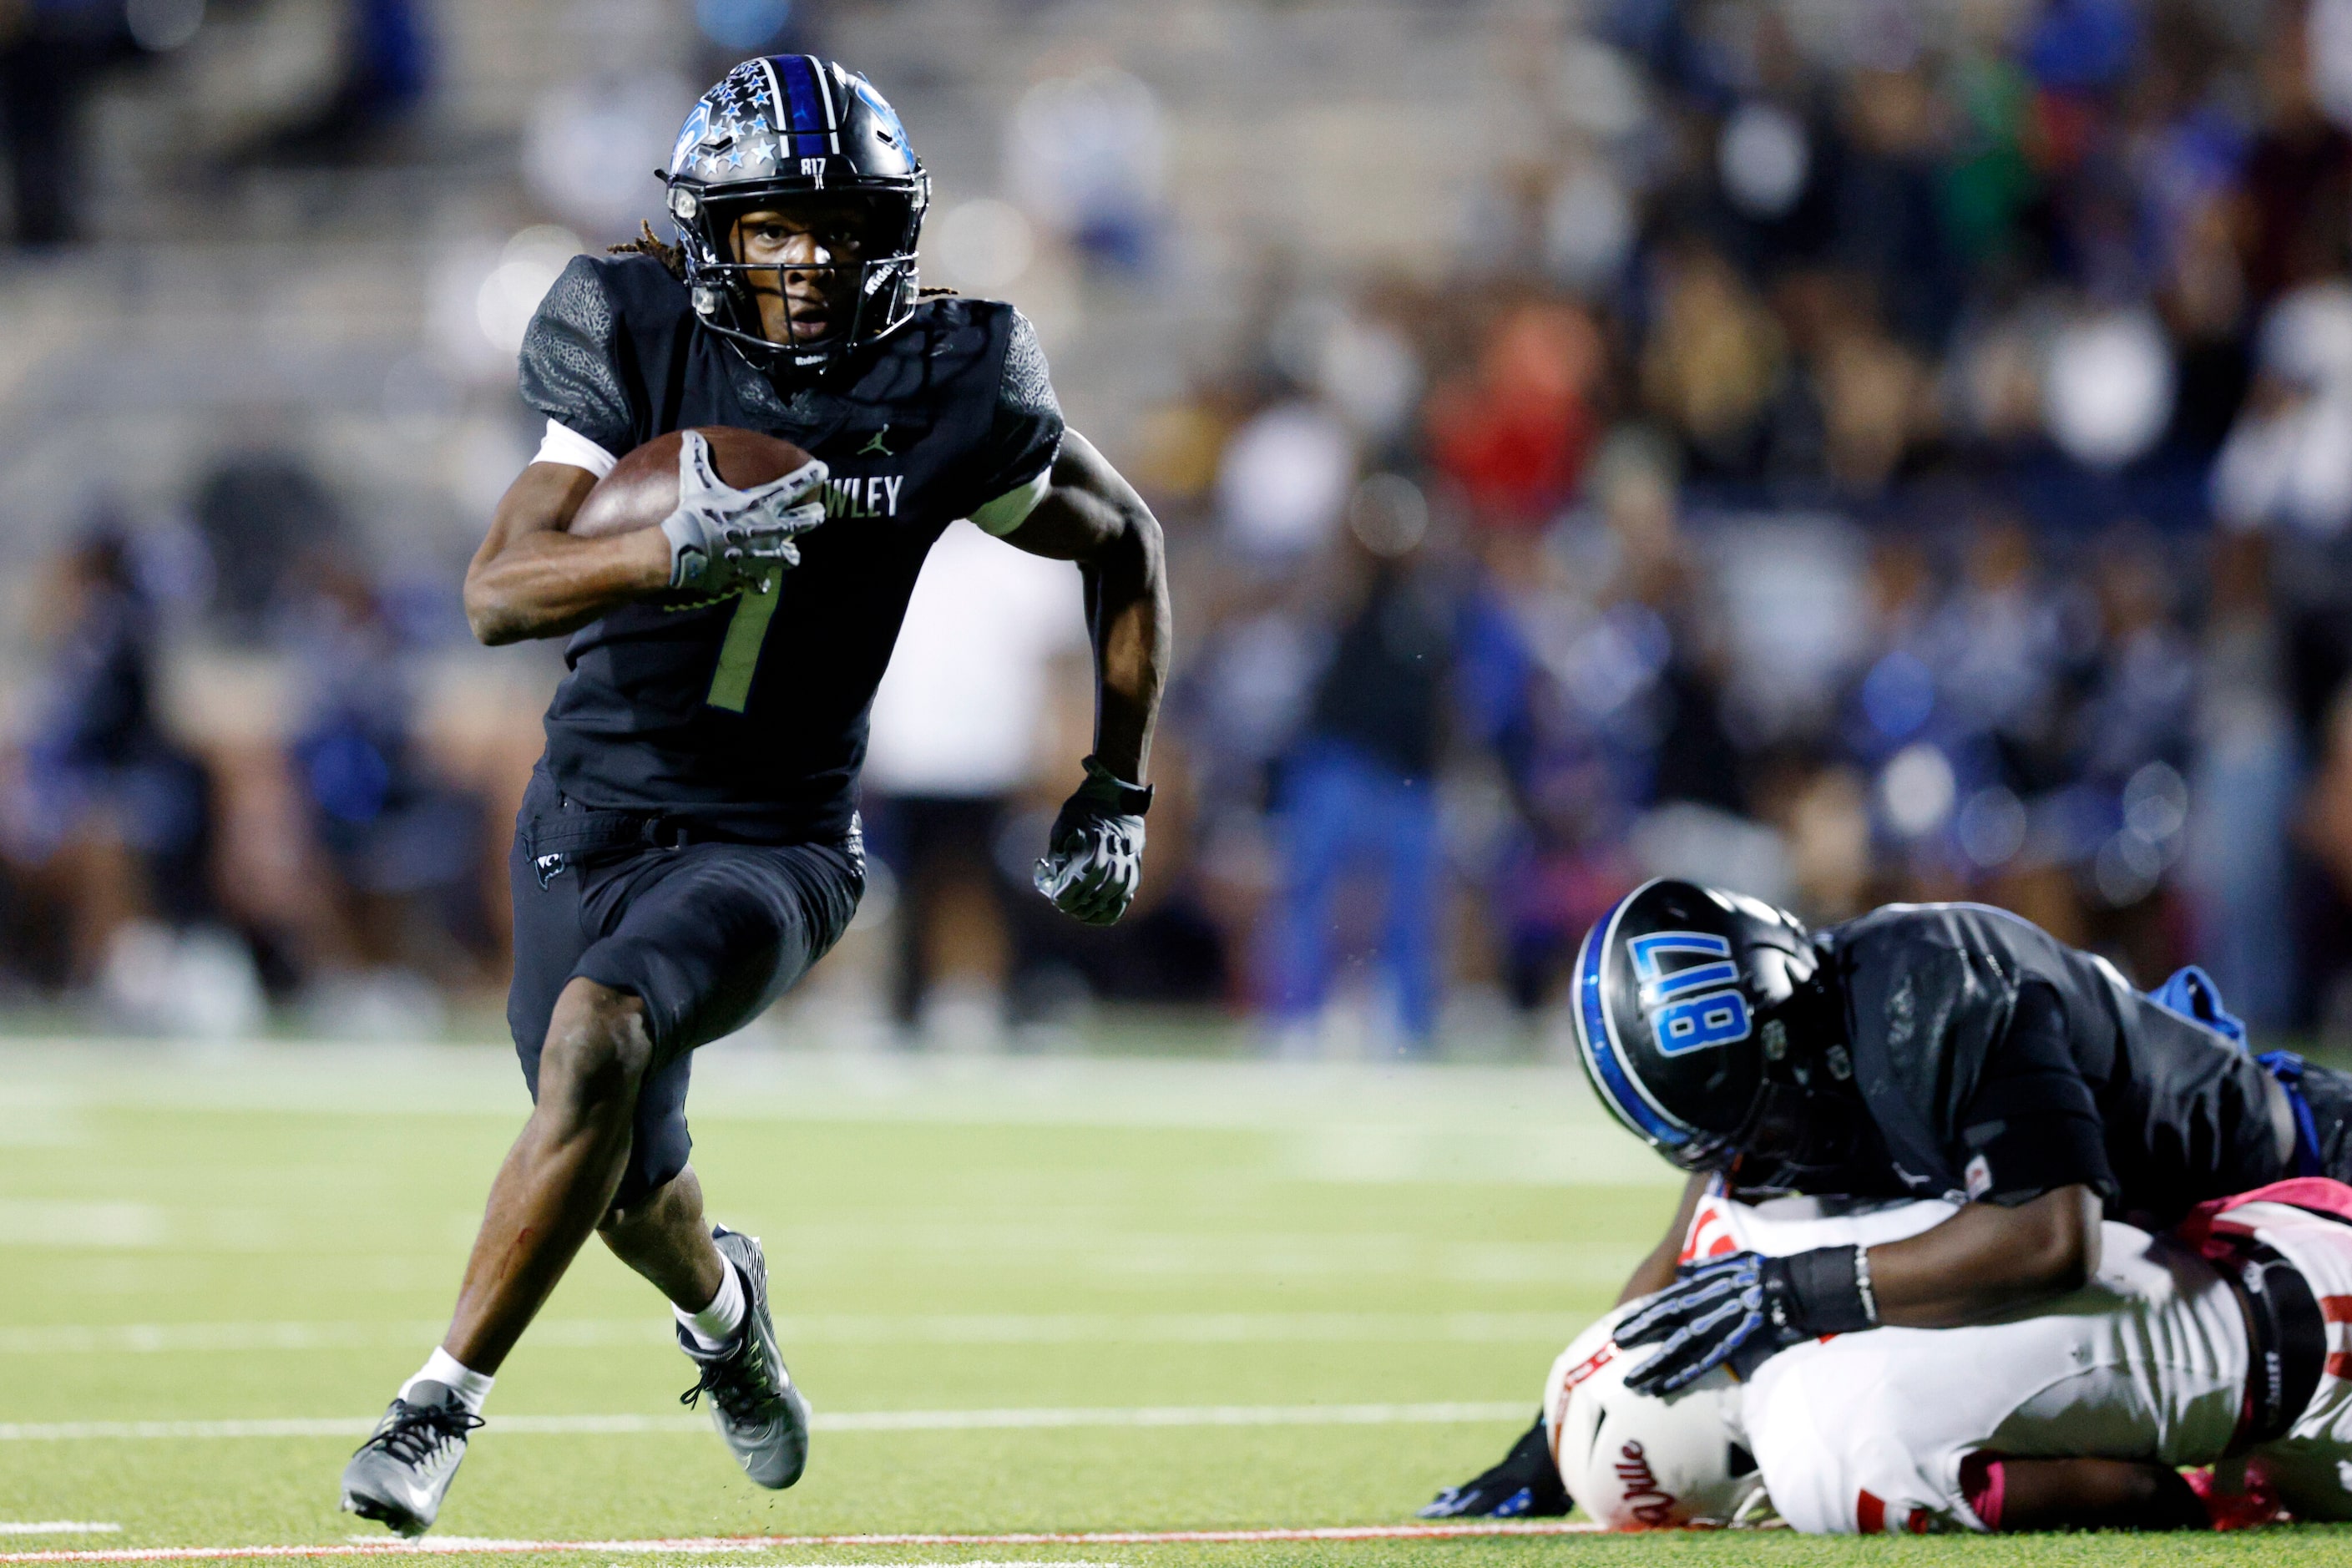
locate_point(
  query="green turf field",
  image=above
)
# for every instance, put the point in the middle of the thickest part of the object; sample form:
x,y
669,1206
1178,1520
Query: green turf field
x,y
1025,1296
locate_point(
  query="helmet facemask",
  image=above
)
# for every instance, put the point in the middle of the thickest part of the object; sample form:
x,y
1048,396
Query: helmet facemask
x,y
873,294
1798,1135
1805,1121
1808,1117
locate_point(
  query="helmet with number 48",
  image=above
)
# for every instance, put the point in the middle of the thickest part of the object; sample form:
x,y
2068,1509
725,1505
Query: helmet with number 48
x,y
1705,1023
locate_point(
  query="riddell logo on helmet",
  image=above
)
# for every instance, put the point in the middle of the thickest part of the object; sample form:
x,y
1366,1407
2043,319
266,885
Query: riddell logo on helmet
x,y
1633,1474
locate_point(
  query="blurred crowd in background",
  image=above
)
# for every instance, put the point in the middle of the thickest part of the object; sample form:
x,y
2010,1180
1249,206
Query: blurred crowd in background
x,y
1848,451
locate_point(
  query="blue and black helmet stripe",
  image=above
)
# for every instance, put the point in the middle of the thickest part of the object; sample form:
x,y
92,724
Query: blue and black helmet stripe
x,y
804,99
1596,1039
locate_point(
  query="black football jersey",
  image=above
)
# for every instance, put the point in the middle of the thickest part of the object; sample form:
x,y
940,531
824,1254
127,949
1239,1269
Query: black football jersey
x,y
749,712
2000,1064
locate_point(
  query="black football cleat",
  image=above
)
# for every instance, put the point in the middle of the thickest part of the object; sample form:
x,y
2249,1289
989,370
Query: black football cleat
x,y
1525,1485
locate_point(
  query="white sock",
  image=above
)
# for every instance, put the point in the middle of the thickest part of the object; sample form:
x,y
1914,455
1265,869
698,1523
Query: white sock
x,y
714,1327
441,1367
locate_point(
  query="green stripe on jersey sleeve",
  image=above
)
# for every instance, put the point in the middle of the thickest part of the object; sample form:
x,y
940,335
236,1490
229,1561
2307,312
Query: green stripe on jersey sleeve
x,y
1009,511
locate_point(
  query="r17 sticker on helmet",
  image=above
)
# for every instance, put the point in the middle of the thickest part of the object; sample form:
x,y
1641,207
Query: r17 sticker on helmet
x,y
1696,1005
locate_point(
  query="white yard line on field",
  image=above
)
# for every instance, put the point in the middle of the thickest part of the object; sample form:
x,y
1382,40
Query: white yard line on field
x,y
461,1545
1175,1415
1016,1418
1348,1123
55,1527
74,1224
836,1328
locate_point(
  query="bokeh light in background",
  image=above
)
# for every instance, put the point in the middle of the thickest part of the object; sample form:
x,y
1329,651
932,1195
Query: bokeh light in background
x,y
1762,158
1852,450
527,267
2108,387
984,246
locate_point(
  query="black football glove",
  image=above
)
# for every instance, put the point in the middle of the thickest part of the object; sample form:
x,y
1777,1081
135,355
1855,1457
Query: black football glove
x,y
1094,857
1525,1485
1745,1309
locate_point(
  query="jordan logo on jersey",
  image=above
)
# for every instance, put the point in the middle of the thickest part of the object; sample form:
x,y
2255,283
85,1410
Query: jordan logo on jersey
x,y
874,495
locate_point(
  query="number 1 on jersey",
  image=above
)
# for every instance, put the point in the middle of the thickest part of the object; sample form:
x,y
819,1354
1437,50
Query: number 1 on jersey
x,y
739,655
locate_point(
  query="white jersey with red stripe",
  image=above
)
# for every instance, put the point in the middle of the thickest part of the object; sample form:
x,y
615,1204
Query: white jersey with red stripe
x,y
1867,1432
2311,1467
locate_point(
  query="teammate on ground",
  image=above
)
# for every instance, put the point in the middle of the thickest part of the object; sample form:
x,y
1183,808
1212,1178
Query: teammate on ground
x,y
1945,1050
2209,1347
688,846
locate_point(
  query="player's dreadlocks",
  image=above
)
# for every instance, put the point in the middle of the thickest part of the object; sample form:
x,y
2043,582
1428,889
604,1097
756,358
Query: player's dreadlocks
x,y
649,244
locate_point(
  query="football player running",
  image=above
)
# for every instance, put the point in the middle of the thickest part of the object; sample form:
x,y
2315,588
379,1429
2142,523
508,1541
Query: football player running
x,y
688,846
1936,1050
2207,1347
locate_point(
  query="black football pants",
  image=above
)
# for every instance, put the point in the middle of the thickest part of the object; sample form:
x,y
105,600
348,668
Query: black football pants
x,y
706,936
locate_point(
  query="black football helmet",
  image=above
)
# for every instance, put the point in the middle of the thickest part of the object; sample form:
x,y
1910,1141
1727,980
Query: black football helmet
x,y
787,127
1708,1028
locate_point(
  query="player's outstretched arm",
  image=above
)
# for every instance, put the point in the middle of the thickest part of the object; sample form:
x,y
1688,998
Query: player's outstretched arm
x,y
531,579
1743,1308
1988,1258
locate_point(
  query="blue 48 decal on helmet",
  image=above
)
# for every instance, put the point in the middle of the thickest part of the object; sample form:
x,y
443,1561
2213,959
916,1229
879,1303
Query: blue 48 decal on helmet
x,y
1679,990
1698,1005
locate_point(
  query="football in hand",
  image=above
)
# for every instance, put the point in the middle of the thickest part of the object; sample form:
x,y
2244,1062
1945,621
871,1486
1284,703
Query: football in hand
x,y
642,488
